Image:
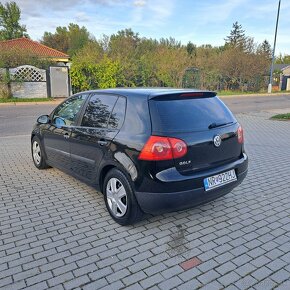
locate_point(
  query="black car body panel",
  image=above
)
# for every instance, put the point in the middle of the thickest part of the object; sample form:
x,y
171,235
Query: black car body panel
x,y
175,191
89,152
156,203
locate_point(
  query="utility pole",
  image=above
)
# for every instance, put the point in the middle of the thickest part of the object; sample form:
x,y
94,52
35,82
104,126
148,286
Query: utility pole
x,y
273,53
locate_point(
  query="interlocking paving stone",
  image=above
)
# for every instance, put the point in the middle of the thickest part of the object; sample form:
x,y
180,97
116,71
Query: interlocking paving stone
x,y
281,276
226,267
284,286
214,285
131,279
192,284
229,279
55,232
171,283
266,284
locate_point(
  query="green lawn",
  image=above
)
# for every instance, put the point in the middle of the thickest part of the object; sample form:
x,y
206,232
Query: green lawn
x,y
16,100
230,93
281,117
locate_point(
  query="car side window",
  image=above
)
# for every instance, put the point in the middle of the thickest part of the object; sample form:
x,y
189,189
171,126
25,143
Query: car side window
x,y
98,111
69,110
118,114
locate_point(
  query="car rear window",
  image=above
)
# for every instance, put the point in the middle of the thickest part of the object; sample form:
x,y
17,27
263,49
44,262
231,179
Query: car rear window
x,y
186,115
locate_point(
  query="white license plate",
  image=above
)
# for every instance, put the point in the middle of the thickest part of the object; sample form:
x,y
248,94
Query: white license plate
x,y
219,180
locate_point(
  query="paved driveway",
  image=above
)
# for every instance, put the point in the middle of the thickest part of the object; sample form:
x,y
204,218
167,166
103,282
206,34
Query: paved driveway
x,y
56,233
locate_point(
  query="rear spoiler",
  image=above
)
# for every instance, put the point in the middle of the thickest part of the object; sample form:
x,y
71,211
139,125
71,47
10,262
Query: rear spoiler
x,y
183,95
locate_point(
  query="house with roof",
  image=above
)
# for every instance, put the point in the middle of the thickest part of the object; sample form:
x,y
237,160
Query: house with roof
x,y
28,81
286,70
283,76
35,48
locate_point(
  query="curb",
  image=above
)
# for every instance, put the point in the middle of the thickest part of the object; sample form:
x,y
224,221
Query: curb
x,y
54,102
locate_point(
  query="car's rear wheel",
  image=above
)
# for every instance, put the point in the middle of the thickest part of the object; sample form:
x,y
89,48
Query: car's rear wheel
x,y
37,154
120,198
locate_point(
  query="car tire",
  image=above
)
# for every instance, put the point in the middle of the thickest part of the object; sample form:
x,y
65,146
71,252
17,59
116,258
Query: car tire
x,y
120,198
38,154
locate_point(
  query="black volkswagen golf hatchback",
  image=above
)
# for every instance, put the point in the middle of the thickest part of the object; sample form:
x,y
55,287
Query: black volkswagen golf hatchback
x,y
147,150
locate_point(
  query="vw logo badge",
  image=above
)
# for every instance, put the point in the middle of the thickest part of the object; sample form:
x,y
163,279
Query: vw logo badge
x,y
217,140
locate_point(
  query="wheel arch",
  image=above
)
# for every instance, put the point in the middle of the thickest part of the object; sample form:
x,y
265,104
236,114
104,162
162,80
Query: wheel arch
x,y
107,167
104,171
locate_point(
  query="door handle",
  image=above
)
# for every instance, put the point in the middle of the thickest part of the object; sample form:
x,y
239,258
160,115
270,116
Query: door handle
x,y
102,142
66,135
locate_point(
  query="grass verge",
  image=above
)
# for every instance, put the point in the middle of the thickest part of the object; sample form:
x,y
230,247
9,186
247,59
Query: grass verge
x,y
284,117
16,100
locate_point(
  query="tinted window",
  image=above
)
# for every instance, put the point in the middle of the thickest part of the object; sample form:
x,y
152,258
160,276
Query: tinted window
x,y
185,115
68,110
98,111
118,114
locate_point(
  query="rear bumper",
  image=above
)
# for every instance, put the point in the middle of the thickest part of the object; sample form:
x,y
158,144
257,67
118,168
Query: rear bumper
x,y
156,203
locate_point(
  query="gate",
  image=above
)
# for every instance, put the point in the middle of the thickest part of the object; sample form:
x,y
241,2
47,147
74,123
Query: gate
x,y
28,82
59,82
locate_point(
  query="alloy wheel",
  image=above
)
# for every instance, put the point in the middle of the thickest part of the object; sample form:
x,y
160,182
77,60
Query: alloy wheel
x,y
116,197
36,152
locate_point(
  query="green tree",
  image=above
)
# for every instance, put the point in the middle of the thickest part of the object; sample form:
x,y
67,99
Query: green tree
x,y
191,49
282,59
147,67
9,22
265,49
242,71
124,48
92,69
207,58
237,37
58,40
171,64
67,39
170,42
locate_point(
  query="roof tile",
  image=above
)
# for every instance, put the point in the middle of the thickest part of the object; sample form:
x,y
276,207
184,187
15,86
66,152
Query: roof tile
x,y
32,46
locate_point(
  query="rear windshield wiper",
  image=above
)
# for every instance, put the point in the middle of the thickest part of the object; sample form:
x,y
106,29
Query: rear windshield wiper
x,y
215,125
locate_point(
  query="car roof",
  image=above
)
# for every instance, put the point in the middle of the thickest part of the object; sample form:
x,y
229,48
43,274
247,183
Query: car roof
x,y
147,92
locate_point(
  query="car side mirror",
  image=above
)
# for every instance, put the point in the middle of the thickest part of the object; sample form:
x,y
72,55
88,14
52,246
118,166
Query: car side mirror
x,y
59,122
44,119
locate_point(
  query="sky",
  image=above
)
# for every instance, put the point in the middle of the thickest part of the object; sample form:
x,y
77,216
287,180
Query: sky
x,y
198,21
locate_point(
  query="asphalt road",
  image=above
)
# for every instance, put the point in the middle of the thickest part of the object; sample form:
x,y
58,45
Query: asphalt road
x,y
246,104
19,119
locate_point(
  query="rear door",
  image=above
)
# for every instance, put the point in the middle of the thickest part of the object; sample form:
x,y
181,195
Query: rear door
x,y
197,119
90,140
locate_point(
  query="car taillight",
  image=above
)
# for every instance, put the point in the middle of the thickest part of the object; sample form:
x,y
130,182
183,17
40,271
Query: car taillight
x,y
240,134
179,148
163,148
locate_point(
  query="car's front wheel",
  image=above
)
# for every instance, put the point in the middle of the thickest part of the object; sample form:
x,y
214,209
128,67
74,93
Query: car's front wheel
x,y
120,199
37,153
